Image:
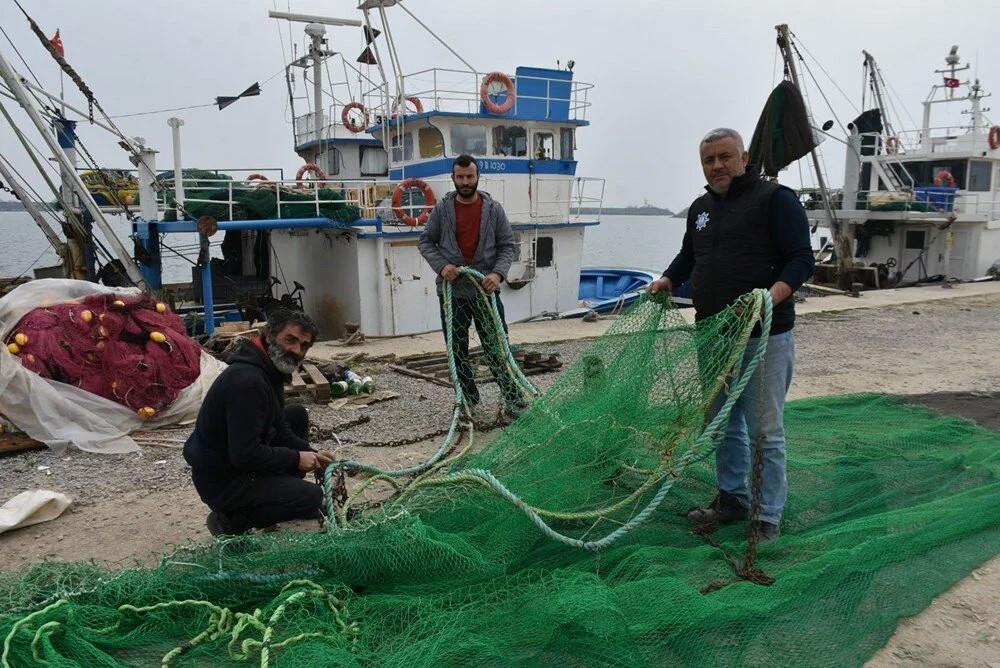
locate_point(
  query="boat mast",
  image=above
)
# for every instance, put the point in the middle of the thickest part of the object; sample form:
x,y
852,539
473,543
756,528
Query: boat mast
x,y
845,262
13,81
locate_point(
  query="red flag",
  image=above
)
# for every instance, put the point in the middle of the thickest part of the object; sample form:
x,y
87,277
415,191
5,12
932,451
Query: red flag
x,y
950,83
57,44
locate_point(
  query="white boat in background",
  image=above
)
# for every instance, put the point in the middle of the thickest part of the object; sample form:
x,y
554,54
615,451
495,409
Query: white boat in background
x,y
917,205
379,156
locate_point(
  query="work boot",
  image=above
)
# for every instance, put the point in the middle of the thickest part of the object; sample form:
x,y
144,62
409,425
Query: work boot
x,y
767,532
219,525
723,509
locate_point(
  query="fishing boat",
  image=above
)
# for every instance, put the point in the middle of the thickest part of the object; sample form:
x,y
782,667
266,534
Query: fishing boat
x,y
917,205
375,160
610,290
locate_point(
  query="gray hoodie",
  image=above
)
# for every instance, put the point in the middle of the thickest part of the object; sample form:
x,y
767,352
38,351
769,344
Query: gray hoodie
x,y
439,244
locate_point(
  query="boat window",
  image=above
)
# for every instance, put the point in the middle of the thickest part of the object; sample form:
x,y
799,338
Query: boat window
x,y
469,139
431,143
543,252
510,140
915,239
979,176
374,161
542,146
406,153
334,159
566,143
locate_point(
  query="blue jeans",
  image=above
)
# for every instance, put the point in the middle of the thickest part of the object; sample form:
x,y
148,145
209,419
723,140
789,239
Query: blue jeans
x,y
759,413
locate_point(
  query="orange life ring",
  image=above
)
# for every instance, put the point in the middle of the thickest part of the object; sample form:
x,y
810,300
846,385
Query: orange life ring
x,y
995,137
415,101
310,167
261,180
892,145
349,122
484,92
397,201
944,178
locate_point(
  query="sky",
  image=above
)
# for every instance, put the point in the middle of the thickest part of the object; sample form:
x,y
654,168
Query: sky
x,y
664,72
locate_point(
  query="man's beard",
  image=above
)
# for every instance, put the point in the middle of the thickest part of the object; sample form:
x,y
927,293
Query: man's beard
x,y
284,361
468,191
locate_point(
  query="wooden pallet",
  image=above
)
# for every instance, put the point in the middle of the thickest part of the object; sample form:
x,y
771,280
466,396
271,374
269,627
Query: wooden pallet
x,y
308,381
434,367
12,443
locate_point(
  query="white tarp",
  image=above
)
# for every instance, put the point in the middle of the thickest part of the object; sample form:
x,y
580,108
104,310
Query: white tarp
x,y
60,415
34,507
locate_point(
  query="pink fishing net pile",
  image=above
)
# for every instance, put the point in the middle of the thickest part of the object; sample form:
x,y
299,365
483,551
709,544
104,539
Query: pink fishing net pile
x,y
131,350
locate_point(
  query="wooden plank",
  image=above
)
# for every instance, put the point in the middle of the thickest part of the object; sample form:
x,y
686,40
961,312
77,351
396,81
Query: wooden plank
x,y
11,443
322,385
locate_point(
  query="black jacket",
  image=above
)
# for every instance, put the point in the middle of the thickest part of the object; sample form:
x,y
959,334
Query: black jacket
x,y
754,236
241,429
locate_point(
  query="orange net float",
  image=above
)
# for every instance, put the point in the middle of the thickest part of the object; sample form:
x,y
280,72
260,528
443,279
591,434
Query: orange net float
x,y
397,201
484,92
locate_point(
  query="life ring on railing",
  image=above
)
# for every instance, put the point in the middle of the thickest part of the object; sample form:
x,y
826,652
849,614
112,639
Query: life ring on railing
x,y
994,137
320,179
484,92
397,201
944,178
349,122
261,181
892,145
415,101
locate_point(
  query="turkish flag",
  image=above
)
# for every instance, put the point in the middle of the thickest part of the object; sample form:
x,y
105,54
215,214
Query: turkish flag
x,y
57,44
950,83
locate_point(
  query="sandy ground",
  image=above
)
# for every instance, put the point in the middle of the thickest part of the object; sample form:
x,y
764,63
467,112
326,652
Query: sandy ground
x,y
127,508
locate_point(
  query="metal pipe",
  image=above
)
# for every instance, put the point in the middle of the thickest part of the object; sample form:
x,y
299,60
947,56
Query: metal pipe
x,y
175,127
13,82
207,298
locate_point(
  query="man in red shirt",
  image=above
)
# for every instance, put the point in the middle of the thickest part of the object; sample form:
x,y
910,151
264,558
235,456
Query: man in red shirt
x,y
469,228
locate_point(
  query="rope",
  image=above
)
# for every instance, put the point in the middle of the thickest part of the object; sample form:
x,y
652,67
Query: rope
x,y
221,622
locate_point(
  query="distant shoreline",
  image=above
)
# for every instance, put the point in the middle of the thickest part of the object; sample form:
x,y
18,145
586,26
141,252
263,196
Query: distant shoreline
x,y
11,206
627,211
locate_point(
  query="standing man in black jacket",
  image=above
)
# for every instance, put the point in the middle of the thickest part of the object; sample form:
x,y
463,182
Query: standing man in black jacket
x,y
248,452
746,233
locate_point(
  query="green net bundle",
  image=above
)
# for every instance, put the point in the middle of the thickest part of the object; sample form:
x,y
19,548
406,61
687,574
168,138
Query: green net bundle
x,y
556,544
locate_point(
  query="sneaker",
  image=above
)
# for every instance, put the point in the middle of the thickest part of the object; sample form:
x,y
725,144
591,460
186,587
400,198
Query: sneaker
x,y
218,524
516,408
767,532
723,509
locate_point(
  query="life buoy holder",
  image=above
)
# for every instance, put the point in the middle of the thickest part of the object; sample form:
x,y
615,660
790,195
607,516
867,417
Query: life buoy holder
x,y
994,137
415,101
484,92
397,201
257,181
944,179
320,179
349,122
892,145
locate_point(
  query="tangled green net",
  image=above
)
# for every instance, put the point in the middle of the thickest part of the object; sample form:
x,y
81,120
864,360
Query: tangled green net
x,y
562,541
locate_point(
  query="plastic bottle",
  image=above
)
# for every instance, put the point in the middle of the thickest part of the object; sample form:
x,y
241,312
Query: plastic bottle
x,y
355,383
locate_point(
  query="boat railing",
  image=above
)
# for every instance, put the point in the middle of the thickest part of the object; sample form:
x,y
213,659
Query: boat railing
x,y
920,199
449,90
946,138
